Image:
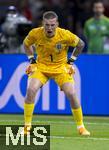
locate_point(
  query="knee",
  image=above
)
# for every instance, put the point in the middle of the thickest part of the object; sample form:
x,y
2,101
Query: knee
x,y
30,95
71,95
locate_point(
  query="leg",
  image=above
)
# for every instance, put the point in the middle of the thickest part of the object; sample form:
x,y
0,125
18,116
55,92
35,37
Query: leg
x,y
33,86
35,81
69,90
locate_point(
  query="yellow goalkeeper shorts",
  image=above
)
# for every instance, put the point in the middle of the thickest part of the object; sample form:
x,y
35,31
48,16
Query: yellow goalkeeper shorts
x,y
59,78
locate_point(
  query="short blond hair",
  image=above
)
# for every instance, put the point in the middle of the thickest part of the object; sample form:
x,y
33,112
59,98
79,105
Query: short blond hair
x,y
50,15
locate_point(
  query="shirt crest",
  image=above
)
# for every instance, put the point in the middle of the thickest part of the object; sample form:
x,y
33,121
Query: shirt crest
x,y
59,47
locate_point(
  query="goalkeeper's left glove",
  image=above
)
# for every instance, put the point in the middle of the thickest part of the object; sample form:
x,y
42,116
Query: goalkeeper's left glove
x,y
71,60
70,69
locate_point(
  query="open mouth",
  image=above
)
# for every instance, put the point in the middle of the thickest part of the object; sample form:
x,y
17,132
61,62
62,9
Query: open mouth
x,y
49,32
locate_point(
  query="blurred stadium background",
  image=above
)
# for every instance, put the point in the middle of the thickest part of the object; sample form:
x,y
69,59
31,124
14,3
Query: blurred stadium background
x,y
92,78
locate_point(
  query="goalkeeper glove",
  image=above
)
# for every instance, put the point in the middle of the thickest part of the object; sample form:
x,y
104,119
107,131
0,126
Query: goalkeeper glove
x,y
32,66
31,59
71,60
70,69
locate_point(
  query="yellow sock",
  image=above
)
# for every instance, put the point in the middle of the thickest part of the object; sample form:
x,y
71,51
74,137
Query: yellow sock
x,y
78,116
28,113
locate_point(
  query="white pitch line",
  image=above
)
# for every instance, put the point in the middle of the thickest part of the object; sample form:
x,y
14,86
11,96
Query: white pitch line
x,y
73,138
80,138
59,122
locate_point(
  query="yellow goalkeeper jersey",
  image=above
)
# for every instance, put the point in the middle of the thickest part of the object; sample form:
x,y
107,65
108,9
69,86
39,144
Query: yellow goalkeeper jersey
x,y
51,52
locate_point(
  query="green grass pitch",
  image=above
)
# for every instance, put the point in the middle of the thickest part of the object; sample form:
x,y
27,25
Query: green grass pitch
x,y
64,135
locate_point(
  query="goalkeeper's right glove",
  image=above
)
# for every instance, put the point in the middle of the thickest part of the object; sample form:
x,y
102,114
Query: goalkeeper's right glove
x,y
32,60
32,66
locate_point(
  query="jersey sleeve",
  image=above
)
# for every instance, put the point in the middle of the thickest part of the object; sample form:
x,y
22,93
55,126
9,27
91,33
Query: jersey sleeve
x,y
31,38
72,39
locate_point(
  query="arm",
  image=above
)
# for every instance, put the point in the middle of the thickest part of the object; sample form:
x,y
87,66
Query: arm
x,y
28,46
28,50
30,53
77,50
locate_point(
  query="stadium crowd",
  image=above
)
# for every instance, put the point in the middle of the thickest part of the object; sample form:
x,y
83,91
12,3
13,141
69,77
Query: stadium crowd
x,y
72,14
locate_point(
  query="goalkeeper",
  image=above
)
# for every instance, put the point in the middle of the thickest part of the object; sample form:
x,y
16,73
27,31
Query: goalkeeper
x,y
52,44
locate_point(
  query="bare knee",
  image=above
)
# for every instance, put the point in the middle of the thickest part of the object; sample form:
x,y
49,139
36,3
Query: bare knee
x,y
71,95
33,86
70,92
30,96
74,102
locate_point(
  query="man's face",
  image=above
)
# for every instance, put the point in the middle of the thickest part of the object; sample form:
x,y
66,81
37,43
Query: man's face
x,y
98,8
50,26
